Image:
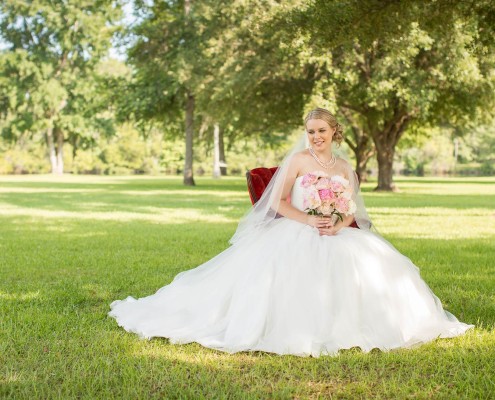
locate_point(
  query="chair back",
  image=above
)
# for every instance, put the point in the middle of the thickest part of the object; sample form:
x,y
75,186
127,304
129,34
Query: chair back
x,y
257,181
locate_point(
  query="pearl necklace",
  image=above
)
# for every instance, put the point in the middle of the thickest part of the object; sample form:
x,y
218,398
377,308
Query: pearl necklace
x,y
326,165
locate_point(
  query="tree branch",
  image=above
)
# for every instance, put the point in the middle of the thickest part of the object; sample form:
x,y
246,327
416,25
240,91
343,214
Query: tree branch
x,y
396,126
365,64
355,108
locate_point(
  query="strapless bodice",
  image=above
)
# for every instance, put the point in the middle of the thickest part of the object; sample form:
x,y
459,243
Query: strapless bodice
x,y
296,195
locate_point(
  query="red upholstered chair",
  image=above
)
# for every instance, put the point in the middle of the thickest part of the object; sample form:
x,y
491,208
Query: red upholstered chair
x,y
354,225
257,181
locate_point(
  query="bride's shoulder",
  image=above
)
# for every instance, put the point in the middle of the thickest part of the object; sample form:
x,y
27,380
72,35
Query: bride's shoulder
x,y
296,163
345,168
300,156
343,163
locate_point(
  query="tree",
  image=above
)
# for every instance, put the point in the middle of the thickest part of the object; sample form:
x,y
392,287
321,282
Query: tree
x,y
212,58
167,56
256,85
48,68
387,76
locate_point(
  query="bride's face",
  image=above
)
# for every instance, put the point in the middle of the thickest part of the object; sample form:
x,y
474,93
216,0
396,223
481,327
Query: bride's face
x,y
320,134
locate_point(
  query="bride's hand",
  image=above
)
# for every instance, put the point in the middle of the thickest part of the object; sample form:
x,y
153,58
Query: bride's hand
x,y
328,231
318,222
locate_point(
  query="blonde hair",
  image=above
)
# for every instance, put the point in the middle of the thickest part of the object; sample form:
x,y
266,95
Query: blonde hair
x,y
325,115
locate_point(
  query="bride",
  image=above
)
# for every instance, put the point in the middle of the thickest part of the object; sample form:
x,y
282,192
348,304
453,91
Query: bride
x,y
296,283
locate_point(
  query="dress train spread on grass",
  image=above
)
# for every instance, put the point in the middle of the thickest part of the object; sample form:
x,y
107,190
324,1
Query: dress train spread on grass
x,y
288,290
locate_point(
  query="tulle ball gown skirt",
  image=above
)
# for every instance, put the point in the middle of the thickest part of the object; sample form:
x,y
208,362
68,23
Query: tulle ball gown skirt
x,y
288,290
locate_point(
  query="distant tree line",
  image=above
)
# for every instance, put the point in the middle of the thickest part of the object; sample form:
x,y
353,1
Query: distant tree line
x,y
212,75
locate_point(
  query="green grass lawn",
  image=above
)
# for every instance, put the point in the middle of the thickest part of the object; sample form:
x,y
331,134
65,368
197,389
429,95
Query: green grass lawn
x,y
71,245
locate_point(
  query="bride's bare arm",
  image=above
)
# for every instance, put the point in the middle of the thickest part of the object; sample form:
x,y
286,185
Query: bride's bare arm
x,y
288,211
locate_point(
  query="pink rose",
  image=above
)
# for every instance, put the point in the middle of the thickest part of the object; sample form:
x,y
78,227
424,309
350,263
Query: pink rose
x,y
345,206
326,194
311,199
336,186
342,205
308,180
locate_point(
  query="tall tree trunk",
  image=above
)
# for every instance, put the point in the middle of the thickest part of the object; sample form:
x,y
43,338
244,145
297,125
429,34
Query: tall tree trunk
x,y
75,147
60,150
363,151
362,157
216,151
385,140
385,157
188,164
221,148
52,154
361,144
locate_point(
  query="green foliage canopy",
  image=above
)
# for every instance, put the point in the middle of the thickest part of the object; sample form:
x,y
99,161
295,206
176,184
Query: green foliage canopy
x,y
389,65
47,74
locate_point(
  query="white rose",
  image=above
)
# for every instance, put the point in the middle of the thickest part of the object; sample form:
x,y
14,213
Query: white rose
x,y
340,179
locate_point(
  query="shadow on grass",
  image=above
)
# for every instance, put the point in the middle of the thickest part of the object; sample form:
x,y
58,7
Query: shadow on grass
x,y
234,205
486,180
117,183
138,193
411,200
146,199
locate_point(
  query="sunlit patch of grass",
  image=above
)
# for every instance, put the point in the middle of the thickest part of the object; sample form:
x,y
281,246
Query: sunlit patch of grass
x,y
19,296
71,245
10,377
160,215
439,186
45,190
182,193
434,222
64,179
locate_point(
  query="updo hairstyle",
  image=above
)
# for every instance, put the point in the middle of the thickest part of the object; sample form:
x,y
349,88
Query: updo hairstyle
x,y
325,115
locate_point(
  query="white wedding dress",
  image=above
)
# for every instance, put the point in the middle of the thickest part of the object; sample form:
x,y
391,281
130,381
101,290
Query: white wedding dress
x,y
288,290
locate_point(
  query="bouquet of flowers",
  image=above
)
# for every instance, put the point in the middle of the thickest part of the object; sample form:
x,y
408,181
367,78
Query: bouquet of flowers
x,y
329,196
